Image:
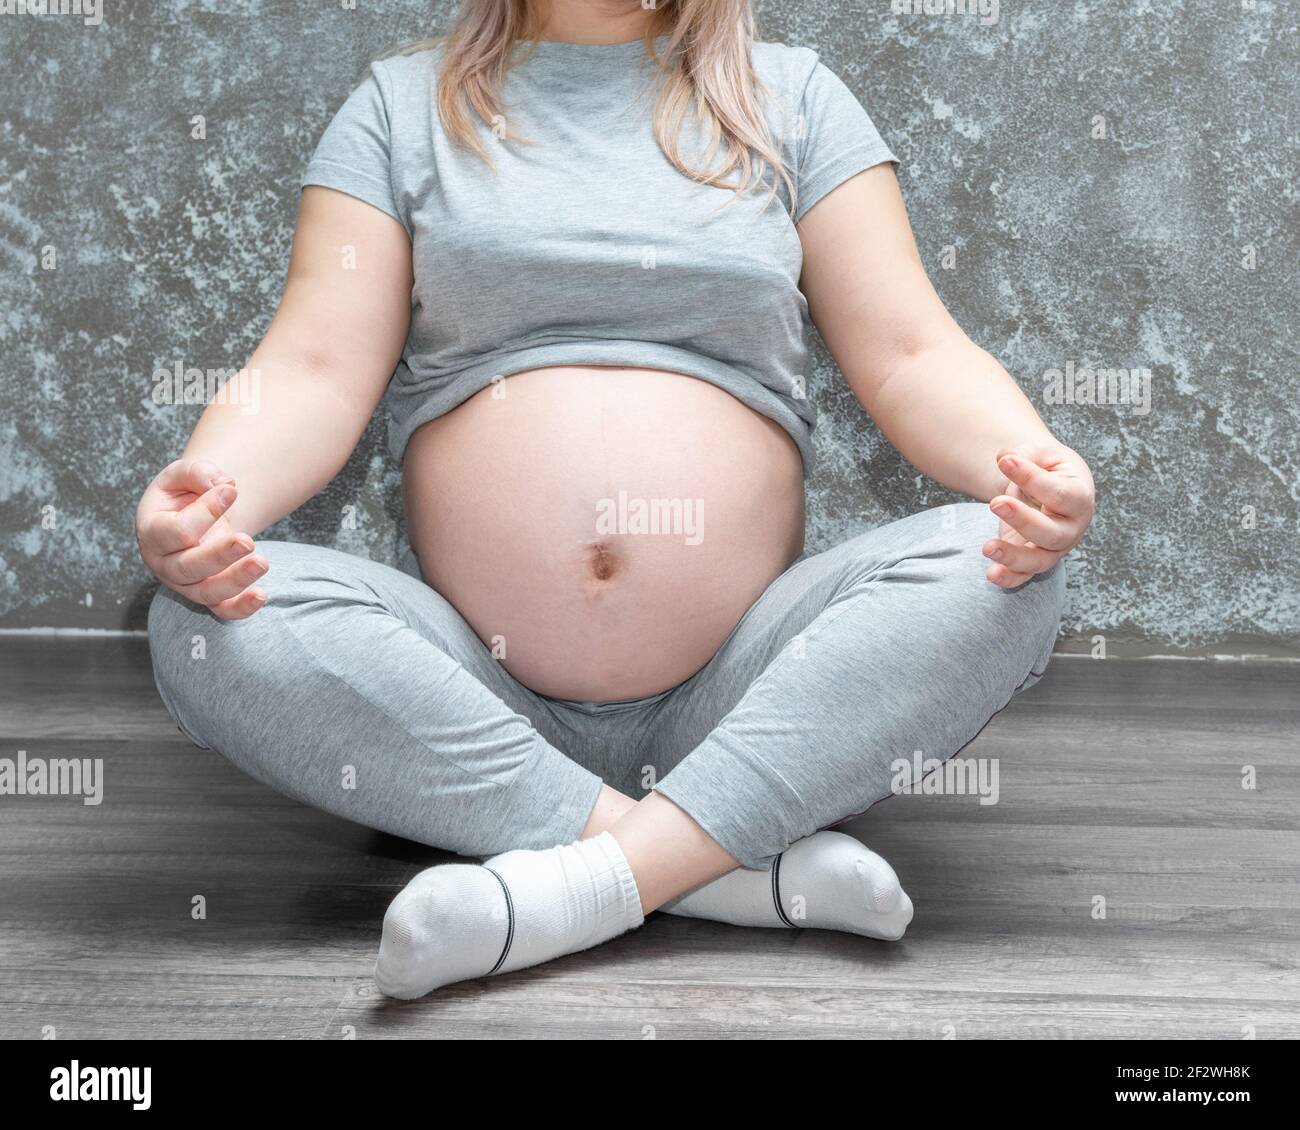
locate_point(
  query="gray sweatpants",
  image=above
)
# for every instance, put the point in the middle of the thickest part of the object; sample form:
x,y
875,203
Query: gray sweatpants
x,y
358,689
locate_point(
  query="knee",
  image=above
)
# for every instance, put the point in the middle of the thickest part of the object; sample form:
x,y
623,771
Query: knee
x,y
290,565
938,555
959,527
301,578
1024,620
294,568
1031,614
195,652
178,635
296,574
176,626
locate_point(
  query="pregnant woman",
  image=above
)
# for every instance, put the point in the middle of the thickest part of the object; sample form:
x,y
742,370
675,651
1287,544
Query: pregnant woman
x,y
579,242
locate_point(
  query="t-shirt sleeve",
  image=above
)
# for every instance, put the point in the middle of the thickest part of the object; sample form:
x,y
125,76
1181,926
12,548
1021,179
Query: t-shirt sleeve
x,y
354,154
838,139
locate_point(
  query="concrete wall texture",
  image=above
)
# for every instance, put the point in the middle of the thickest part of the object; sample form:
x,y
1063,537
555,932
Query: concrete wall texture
x,y
1093,185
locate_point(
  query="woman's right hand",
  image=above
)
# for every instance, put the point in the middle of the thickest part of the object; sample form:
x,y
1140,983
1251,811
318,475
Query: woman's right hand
x,y
186,539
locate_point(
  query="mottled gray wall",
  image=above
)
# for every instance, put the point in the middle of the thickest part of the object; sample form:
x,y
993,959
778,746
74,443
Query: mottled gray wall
x,y
1104,175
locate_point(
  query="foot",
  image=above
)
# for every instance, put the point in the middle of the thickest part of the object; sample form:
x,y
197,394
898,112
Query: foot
x,y
459,921
827,881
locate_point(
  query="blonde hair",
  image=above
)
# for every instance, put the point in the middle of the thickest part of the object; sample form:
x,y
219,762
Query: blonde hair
x,y
705,67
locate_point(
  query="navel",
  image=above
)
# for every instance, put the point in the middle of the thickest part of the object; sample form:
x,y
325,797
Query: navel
x,y
604,562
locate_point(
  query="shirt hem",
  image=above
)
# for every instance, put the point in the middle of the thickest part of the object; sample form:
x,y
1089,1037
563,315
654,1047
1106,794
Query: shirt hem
x,y
638,355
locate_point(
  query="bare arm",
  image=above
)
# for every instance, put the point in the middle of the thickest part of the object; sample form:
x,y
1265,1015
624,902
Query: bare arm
x,y
322,366
944,402
299,408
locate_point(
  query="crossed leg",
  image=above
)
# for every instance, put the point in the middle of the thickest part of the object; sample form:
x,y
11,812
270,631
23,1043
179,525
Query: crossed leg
x,y
889,643
359,690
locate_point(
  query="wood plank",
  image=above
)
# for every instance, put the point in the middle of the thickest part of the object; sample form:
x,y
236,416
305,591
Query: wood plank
x,y
1117,779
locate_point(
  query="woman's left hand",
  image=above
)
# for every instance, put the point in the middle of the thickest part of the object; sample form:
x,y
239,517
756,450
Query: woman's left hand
x,y
1044,511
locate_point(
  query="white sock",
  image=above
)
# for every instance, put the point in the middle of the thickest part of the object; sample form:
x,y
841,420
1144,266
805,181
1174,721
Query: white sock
x,y
827,881
458,921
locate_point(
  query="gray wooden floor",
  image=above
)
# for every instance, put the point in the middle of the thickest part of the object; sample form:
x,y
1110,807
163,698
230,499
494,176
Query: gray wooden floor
x,y
1119,780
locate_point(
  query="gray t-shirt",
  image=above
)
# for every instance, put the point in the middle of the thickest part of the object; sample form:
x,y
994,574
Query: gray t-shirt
x,y
587,246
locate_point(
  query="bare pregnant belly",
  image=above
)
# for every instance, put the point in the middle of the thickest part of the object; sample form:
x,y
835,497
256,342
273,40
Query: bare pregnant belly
x,y
603,529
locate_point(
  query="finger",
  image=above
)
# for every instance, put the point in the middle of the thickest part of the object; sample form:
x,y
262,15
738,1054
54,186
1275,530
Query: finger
x,y
206,559
1021,558
1003,577
229,582
193,475
240,607
1032,524
1006,532
1059,492
170,531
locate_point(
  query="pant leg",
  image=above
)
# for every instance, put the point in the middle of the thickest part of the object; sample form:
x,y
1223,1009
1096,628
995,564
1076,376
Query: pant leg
x,y
361,691
890,643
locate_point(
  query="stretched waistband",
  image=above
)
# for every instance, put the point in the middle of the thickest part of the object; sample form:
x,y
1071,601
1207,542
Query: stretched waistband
x,y
608,707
